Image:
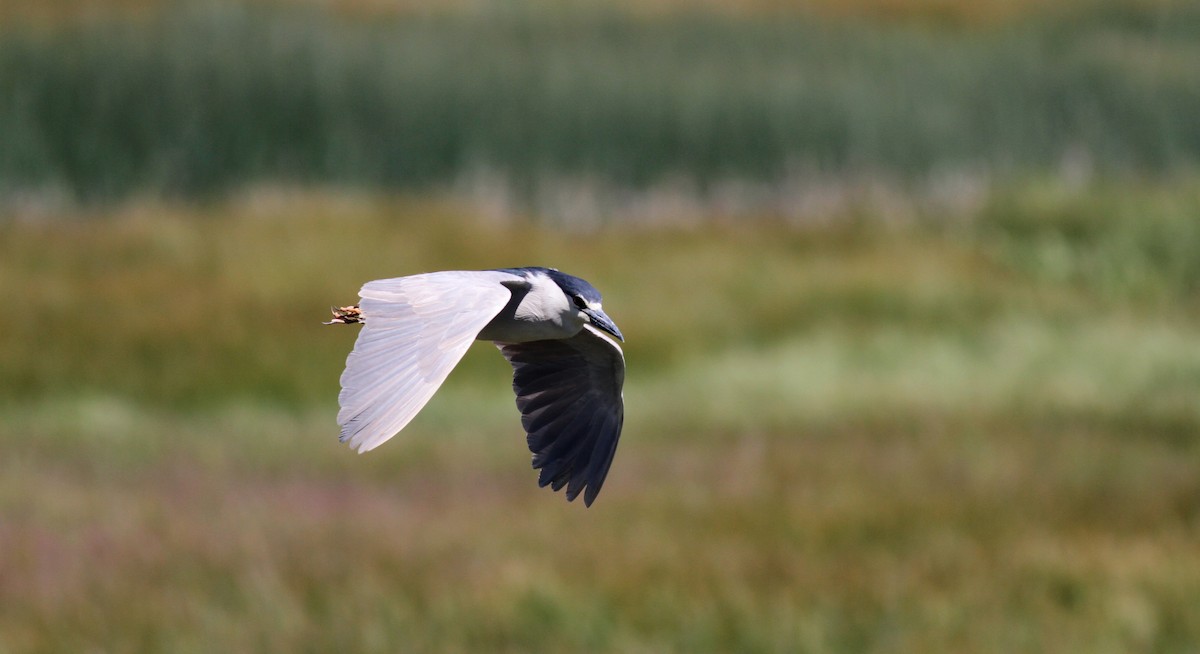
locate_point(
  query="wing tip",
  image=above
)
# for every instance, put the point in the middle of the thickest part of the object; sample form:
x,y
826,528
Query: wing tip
x,y
576,482
590,491
357,442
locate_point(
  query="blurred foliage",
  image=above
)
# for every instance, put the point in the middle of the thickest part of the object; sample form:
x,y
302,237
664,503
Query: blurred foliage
x,y
195,100
1140,247
863,437
937,12
183,296
939,395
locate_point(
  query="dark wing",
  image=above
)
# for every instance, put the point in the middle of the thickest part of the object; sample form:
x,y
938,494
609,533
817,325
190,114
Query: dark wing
x,y
569,394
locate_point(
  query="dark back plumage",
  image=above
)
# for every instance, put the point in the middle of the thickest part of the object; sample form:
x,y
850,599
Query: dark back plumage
x,y
570,284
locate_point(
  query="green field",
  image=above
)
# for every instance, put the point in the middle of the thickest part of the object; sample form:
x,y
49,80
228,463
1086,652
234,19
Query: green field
x,y
966,433
910,289
202,98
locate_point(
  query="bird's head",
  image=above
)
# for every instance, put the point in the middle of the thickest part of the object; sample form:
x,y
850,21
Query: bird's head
x,y
586,300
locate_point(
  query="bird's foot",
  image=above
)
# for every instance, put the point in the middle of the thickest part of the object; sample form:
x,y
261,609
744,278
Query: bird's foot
x,y
346,315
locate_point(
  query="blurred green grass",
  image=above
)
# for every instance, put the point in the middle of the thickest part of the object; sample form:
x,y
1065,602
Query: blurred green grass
x,y
199,99
974,433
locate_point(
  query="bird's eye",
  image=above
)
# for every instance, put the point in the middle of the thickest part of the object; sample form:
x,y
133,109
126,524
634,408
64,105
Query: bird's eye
x,y
580,302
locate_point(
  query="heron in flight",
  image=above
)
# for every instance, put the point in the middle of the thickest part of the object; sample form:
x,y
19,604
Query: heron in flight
x,y
567,371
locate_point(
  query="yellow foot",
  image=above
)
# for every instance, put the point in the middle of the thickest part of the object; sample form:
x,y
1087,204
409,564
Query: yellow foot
x,y
345,315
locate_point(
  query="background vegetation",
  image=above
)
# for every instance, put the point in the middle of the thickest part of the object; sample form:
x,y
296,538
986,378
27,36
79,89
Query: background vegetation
x,y
192,101
921,383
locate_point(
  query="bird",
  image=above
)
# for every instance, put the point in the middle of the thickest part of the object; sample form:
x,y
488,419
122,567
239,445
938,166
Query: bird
x,y
568,372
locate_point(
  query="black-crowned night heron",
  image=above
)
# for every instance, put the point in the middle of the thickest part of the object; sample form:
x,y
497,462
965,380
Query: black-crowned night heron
x,y
567,373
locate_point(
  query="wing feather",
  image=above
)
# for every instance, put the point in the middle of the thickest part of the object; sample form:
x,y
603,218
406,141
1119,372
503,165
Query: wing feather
x,y
416,329
569,395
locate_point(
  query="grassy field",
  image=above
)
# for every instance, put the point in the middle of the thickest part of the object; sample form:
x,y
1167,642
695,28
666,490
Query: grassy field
x,y
910,289
939,12
203,98
966,433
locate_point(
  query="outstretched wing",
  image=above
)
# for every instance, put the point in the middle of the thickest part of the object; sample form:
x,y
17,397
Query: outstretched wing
x,y
569,394
416,329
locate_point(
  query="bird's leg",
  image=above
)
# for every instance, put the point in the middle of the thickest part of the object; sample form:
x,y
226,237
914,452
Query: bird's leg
x,y
346,315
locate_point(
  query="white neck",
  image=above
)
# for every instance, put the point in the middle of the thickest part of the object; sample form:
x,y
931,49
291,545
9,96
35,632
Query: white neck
x,y
541,313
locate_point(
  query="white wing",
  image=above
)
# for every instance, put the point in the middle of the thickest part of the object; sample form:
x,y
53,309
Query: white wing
x,y
416,329
569,395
